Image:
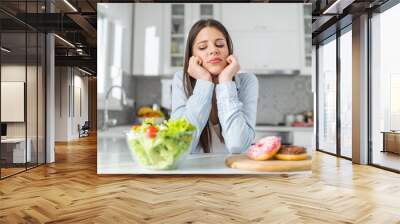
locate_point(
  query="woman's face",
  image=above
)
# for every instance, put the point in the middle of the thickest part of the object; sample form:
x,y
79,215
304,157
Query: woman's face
x,y
211,47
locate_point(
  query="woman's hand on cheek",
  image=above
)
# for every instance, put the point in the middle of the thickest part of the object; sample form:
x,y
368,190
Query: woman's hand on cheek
x,y
196,70
230,70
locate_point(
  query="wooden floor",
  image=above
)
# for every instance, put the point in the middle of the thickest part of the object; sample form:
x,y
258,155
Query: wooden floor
x,y
387,159
10,171
70,191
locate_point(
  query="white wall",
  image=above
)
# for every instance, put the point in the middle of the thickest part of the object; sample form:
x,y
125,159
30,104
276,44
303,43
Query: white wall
x,y
14,73
61,103
67,115
80,83
114,41
33,126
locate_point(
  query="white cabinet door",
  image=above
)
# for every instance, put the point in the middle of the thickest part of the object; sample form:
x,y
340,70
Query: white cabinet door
x,y
264,53
205,11
260,17
267,38
304,139
176,21
176,35
148,39
307,32
260,135
286,136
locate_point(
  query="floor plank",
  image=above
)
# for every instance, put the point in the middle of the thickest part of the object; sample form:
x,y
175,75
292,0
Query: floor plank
x,y
70,191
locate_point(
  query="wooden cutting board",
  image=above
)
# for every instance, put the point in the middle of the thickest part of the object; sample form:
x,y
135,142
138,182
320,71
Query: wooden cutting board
x,y
243,162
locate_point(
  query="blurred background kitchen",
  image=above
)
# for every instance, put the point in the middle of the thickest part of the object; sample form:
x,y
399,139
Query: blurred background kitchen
x,y
141,46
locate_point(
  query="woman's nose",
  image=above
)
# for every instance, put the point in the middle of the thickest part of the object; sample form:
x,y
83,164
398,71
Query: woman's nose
x,y
214,50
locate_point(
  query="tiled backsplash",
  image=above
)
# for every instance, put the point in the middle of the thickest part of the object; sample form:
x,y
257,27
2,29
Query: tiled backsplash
x,y
281,95
147,90
278,96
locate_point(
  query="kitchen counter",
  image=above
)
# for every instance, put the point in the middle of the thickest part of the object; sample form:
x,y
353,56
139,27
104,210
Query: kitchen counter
x,y
283,128
300,136
114,157
119,131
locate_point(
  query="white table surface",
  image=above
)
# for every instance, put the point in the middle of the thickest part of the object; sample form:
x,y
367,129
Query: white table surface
x,y
194,164
114,157
13,140
19,151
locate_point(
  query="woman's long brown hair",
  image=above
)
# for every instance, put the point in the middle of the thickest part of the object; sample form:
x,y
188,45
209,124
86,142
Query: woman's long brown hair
x,y
188,81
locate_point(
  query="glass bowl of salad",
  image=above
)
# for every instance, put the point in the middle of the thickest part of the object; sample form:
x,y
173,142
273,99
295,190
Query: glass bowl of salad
x,y
159,146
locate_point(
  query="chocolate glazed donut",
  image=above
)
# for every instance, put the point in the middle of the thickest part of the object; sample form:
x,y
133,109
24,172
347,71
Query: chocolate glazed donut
x,y
291,152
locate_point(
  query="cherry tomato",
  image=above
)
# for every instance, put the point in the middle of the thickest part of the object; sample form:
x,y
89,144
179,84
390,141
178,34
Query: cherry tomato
x,y
151,131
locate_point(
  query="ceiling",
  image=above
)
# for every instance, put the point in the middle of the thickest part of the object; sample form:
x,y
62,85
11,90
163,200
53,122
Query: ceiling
x,y
331,15
76,25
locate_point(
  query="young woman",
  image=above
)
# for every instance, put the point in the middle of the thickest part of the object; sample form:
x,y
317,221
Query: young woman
x,y
212,94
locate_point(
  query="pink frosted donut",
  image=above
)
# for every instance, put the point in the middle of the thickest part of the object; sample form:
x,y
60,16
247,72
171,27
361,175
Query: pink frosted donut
x,y
265,148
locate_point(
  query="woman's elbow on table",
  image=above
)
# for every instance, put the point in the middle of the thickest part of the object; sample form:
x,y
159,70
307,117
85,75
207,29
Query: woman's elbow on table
x,y
239,144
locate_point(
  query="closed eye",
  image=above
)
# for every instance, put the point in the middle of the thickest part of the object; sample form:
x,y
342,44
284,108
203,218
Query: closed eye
x,y
217,45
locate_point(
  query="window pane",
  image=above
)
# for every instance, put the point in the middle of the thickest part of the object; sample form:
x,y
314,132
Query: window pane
x,y
31,97
13,85
327,97
346,94
385,88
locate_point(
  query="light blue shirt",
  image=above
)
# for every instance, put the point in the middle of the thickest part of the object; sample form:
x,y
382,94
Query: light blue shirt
x,y
236,103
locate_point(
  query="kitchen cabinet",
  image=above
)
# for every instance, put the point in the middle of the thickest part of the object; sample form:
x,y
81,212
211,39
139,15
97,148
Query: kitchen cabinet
x,y
303,138
263,54
300,136
148,37
285,135
160,33
205,11
178,19
314,69
266,36
307,24
260,18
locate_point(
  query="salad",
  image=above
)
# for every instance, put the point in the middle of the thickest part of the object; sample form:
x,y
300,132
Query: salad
x,y
160,146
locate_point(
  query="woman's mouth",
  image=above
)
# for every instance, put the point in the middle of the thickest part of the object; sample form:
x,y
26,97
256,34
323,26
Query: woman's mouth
x,y
215,61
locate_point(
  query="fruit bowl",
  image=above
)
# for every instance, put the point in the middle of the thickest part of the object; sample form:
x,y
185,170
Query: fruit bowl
x,y
157,120
150,113
159,147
